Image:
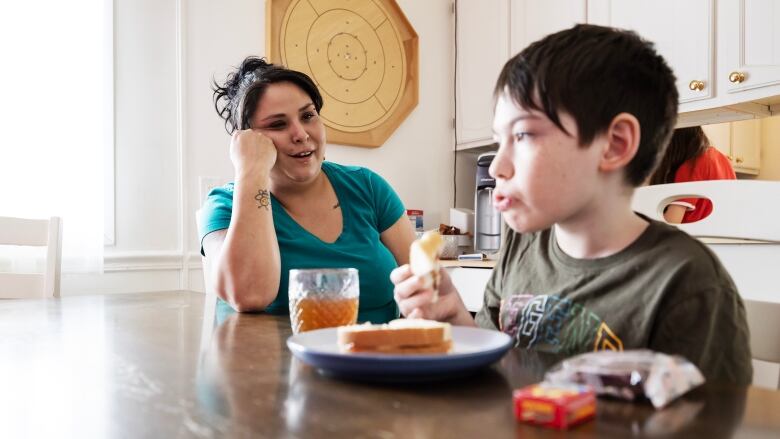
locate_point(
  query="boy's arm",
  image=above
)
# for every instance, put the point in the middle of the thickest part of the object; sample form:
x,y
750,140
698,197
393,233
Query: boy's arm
x,y
709,328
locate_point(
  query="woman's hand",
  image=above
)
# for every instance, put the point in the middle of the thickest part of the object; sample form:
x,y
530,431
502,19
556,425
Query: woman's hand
x,y
415,300
251,153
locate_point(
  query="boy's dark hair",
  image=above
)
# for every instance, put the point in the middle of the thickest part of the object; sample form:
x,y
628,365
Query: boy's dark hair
x,y
237,100
594,73
686,143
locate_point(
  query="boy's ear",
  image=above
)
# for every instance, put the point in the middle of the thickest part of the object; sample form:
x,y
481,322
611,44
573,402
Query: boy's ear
x,y
622,142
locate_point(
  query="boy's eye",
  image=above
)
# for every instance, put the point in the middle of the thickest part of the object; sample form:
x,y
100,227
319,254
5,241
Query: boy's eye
x,y
519,137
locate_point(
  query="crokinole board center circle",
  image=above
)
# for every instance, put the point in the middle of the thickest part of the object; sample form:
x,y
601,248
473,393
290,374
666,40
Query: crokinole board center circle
x,y
345,51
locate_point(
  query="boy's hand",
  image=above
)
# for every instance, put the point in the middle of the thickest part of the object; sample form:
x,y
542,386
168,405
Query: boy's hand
x,y
415,299
252,153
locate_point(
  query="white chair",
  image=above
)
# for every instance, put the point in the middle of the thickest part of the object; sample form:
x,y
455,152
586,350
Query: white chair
x,y
210,303
764,322
744,231
32,233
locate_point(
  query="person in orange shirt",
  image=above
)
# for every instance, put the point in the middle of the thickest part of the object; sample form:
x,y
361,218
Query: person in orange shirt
x,y
690,157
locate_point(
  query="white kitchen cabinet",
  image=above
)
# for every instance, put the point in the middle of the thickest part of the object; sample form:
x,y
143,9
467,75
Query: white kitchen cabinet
x,y
488,34
708,44
533,19
725,53
482,48
749,41
683,33
740,142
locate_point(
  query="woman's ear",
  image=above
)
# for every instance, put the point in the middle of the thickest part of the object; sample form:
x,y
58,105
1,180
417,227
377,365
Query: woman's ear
x,y
622,142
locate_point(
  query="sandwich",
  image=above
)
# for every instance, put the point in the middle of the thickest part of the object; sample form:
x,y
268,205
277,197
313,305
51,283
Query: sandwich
x,y
424,259
400,336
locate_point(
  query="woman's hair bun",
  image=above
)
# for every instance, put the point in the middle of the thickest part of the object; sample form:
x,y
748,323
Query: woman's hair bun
x,y
236,100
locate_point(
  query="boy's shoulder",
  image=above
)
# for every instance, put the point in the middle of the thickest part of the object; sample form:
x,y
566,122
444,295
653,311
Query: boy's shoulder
x,y
672,245
661,245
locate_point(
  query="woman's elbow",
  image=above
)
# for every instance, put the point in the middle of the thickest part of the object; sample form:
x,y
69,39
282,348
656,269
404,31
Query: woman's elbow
x,y
245,298
247,305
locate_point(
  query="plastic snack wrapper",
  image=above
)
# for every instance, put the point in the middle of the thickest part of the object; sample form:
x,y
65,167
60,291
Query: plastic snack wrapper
x,y
661,378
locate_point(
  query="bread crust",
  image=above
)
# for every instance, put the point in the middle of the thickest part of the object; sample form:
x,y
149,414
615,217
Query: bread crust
x,y
438,348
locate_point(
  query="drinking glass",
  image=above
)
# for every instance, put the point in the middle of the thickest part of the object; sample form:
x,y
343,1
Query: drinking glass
x,y
323,298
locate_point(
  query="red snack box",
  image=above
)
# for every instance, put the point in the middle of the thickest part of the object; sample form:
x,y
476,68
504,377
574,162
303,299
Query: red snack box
x,y
554,405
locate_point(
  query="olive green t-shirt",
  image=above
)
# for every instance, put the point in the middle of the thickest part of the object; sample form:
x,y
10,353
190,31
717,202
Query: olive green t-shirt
x,y
666,291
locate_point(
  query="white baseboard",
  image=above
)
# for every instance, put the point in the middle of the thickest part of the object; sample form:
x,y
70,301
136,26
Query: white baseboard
x,y
148,261
129,272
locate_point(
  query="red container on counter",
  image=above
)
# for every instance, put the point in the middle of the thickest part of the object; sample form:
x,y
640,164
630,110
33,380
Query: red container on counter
x,y
556,406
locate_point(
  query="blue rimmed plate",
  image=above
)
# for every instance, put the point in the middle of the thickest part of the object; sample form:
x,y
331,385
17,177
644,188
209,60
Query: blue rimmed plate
x,y
473,349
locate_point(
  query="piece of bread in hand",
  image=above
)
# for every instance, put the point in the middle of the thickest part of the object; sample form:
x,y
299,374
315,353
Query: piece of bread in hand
x,y
424,259
400,336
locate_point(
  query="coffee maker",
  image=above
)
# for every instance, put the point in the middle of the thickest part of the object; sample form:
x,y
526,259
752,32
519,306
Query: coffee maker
x,y
487,220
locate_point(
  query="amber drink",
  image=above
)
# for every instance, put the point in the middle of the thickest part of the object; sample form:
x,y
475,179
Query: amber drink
x,y
323,298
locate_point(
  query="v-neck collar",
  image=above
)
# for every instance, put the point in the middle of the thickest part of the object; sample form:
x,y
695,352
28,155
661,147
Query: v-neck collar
x,y
342,207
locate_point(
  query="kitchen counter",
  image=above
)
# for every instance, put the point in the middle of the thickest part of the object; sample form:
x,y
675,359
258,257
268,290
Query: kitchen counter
x,y
468,264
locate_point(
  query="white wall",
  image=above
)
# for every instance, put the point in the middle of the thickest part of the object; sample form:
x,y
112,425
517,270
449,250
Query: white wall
x,y
168,134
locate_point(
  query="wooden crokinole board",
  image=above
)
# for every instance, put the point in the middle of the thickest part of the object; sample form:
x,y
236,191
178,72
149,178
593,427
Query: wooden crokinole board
x,y
361,53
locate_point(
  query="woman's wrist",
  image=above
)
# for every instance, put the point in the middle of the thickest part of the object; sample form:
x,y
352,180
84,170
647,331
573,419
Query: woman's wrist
x,y
253,189
253,177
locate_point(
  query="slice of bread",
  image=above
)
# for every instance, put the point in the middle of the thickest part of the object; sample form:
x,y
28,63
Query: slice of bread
x,y
424,259
400,336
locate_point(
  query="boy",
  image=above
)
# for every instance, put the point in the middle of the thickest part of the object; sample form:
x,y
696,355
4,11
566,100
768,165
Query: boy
x,y
581,118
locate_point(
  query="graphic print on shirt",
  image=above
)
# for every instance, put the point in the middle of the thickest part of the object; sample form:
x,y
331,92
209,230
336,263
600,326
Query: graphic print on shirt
x,y
554,324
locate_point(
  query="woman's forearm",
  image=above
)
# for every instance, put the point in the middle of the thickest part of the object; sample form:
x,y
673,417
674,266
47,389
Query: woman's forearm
x,y
248,268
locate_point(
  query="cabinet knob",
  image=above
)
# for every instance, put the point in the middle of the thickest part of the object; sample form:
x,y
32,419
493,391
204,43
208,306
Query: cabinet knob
x,y
696,85
736,77
739,160
731,157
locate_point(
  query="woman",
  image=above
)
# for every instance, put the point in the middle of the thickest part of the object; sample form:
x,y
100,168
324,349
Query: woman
x,y
288,208
689,157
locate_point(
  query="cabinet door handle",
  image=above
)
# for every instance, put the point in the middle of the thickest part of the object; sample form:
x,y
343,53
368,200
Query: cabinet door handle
x,y
696,85
731,157
739,160
736,77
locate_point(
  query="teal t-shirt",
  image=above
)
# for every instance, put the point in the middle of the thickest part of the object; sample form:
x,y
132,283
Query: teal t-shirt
x,y
369,206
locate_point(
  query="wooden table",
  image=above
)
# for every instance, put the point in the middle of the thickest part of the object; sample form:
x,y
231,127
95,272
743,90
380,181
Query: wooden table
x,y
134,365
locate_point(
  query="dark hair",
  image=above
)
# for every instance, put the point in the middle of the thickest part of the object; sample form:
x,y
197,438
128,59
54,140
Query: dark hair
x,y
686,143
237,100
594,73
